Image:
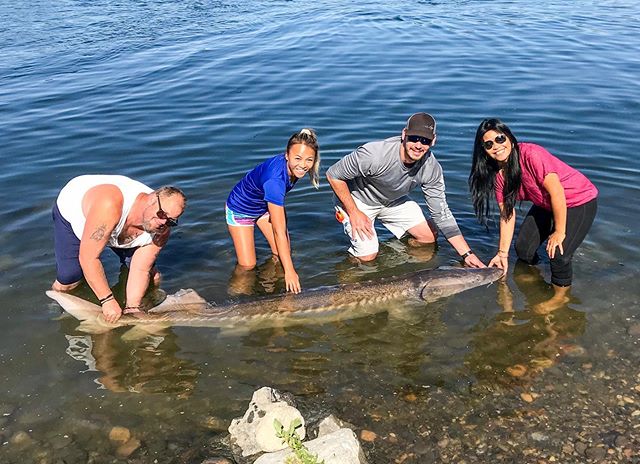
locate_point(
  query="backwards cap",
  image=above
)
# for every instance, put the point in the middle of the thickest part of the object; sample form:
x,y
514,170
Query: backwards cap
x,y
422,124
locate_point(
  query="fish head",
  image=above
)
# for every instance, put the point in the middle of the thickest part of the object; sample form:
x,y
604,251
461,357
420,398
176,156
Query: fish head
x,y
446,281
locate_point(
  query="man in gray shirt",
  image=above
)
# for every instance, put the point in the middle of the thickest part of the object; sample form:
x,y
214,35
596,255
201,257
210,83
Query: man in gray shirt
x,y
374,181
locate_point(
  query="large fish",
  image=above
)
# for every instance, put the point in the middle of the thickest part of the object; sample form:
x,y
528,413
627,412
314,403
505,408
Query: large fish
x,y
187,308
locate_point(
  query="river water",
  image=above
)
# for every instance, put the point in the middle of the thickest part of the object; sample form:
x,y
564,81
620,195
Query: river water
x,y
195,93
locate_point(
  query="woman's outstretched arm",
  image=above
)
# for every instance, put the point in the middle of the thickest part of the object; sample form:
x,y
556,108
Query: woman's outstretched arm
x,y
507,227
559,209
281,236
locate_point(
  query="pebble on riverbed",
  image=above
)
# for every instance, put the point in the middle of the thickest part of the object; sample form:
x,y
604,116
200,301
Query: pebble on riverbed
x,y
21,438
517,370
127,449
529,397
368,435
119,434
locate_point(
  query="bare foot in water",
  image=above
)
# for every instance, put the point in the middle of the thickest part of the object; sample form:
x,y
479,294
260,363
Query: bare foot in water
x,y
559,299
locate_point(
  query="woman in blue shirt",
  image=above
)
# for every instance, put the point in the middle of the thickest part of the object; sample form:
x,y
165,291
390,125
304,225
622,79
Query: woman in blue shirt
x,y
258,199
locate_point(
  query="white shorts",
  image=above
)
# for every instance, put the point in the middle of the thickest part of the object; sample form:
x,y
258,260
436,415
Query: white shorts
x,y
398,218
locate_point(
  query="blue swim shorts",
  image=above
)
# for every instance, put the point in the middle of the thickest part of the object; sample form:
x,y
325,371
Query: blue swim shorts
x,y
67,250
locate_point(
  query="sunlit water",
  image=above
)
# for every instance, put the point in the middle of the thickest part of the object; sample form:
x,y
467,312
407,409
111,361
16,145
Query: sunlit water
x,y
195,93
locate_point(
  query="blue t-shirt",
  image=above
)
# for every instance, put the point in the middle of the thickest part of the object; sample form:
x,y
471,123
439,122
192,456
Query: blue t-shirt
x,y
267,182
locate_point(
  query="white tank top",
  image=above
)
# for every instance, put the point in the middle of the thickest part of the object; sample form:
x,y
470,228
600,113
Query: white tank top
x,y
70,205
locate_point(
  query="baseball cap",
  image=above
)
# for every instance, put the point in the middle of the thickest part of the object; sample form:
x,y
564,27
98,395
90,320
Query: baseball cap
x,y
422,124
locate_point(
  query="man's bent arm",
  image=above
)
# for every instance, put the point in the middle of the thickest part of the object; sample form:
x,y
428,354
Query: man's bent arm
x,y
101,219
142,261
361,225
341,189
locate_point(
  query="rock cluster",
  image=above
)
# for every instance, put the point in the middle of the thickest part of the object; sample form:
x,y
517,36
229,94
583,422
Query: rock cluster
x,y
254,432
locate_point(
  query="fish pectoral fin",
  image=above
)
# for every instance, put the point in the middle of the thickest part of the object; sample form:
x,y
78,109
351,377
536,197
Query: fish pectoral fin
x,y
140,332
92,327
234,332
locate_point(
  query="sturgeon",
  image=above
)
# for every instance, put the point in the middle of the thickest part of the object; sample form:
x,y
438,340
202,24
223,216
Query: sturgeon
x,y
187,308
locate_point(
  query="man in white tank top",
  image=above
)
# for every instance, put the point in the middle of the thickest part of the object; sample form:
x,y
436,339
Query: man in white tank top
x,y
96,211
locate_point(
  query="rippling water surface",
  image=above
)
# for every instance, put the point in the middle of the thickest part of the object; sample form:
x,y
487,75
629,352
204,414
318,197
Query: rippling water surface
x,y
195,93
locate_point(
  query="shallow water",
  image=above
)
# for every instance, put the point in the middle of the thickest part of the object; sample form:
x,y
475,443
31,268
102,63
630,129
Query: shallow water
x,y
195,93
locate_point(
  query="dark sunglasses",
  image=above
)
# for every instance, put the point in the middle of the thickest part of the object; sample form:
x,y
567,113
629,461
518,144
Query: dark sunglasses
x,y
500,139
418,138
161,214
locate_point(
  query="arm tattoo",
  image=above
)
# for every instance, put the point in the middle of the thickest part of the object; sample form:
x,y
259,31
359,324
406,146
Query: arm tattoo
x,y
99,233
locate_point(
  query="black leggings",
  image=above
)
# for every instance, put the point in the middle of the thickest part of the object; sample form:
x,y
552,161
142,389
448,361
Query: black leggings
x,y
538,225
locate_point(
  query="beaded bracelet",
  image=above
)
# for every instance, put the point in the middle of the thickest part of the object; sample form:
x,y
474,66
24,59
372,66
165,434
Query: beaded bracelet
x,y
132,309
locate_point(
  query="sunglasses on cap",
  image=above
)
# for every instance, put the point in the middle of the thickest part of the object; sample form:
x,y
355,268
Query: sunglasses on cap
x,y
500,139
419,138
161,214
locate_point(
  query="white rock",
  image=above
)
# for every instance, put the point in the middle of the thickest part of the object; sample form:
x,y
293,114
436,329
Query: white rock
x,y
266,433
329,424
339,447
254,432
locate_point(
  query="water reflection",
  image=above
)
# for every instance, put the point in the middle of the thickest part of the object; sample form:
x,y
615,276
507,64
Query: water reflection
x,y
132,359
395,257
135,362
522,341
264,278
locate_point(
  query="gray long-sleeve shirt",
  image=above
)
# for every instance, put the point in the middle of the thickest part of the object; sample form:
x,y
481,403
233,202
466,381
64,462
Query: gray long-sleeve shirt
x,y
376,175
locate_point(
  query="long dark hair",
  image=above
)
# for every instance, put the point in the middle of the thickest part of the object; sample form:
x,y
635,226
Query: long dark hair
x,y
484,170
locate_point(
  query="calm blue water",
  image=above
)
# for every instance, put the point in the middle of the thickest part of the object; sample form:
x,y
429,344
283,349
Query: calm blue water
x,y
195,93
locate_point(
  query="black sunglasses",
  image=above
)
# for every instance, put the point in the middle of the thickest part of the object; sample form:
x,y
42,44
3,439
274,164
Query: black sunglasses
x,y
500,139
419,138
161,214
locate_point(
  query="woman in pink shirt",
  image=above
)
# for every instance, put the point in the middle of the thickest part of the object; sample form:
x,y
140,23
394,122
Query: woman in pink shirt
x,y
564,200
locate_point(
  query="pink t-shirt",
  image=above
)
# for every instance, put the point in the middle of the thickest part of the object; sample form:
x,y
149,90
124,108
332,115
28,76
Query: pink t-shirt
x,y
536,163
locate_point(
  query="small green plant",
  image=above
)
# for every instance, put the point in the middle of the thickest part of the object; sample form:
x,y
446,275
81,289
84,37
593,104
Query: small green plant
x,y
292,439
